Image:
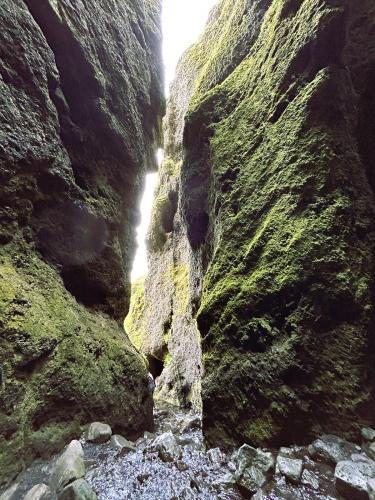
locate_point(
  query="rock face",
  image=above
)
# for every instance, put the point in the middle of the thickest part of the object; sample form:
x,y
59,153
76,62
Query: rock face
x,y
99,433
69,466
270,151
173,286
78,490
38,492
352,479
80,107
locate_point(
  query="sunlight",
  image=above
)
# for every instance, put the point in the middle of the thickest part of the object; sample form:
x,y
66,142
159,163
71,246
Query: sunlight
x,y
183,22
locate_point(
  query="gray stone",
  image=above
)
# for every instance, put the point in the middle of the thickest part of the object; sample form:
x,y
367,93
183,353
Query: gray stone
x,y
68,467
191,442
167,447
292,452
352,478
310,479
120,443
99,433
38,492
78,490
371,489
190,422
10,493
332,449
248,456
361,457
291,468
181,465
149,436
231,465
225,482
141,444
252,479
370,450
216,456
252,467
368,434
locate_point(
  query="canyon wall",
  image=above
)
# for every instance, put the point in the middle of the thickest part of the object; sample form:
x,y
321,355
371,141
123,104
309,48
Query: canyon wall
x,y
81,96
266,204
170,338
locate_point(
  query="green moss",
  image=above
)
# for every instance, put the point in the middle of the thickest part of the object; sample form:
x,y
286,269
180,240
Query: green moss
x,y
135,320
290,266
170,168
167,358
162,217
63,366
181,283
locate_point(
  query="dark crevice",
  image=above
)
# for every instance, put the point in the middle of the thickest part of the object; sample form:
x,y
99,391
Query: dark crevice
x,y
366,129
76,102
30,366
155,366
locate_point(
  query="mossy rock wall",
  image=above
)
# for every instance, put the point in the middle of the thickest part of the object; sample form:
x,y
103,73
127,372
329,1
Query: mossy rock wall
x,y
170,340
277,201
173,286
81,100
135,320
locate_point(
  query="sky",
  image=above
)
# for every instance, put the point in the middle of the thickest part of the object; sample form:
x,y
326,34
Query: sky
x,y
183,22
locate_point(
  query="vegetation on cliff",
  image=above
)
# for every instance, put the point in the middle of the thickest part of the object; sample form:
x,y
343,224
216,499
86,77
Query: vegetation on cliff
x,y
277,196
135,320
81,94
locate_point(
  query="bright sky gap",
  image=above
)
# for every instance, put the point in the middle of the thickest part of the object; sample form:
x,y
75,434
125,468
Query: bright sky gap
x,y
183,22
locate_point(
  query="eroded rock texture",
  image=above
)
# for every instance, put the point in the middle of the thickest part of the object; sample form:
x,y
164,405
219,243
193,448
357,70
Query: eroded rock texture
x,y
172,289
80,107
276,200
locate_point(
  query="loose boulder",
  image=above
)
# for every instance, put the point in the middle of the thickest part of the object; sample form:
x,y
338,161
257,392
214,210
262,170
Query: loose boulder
x,y
38,492
167,447
78,490
68,467
291,468
310,479
120,443
332,449
352,478
216,456
368,434
99,433
252,466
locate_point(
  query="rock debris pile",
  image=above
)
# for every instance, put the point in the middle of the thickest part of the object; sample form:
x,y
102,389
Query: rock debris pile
x,y
174,463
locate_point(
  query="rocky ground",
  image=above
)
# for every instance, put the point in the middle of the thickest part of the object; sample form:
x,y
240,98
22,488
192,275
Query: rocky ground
x,y
173,463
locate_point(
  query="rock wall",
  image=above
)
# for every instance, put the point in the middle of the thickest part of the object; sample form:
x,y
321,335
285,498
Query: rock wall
x,y
81,100
273,124
171,339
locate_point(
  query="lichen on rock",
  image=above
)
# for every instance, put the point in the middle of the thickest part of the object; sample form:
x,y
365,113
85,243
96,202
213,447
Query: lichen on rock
x,y
286,309
276,211
81,96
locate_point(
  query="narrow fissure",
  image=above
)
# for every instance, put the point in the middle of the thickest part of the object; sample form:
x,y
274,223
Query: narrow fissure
x,y
243,367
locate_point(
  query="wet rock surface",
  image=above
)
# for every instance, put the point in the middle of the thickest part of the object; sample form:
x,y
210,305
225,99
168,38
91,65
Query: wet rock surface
x,y
38,492
99,433
81,100
68,467
268,143
174,463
